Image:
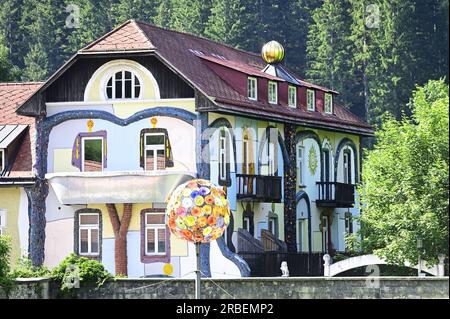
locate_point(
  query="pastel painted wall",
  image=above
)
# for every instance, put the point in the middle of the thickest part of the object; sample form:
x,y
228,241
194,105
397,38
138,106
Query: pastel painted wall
x,y
329,140
14,201
123,149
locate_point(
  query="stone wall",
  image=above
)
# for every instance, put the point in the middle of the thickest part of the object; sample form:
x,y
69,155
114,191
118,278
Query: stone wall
x,y
252,288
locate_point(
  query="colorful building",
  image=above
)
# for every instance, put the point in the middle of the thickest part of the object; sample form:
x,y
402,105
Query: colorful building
x,y
143,109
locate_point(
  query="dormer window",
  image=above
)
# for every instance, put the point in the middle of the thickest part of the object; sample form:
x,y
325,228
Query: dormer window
x,y
123,85
273,92
292,96
2,160
328,103
252,88
311,100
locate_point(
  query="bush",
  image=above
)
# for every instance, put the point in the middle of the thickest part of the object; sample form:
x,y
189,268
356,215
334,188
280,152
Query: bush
x,y
79,268
25,269
5,250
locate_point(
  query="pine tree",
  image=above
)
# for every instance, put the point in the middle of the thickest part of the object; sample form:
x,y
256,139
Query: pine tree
x,y
190,15
140,10
223,23
329,50
36,64
164,13
5,65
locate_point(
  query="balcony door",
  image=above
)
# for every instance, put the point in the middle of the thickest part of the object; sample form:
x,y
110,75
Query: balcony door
x,y
347,167
271,159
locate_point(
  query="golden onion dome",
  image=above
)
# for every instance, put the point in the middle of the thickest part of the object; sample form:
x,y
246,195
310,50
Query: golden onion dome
x,y
272,52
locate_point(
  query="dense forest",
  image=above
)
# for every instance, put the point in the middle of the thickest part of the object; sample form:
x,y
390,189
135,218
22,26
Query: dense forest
x,y
373,52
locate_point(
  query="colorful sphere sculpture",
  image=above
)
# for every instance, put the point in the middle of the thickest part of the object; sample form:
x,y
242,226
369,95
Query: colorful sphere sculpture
x,y
272,52
198,211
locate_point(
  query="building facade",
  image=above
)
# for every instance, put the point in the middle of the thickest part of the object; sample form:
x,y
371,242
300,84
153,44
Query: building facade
x,y
143,109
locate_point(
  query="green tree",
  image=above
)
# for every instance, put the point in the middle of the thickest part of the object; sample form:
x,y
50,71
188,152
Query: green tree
x,y
5,65
404,194
190,15
36,64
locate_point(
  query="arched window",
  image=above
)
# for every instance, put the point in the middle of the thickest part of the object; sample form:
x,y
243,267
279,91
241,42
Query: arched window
x,y
123,85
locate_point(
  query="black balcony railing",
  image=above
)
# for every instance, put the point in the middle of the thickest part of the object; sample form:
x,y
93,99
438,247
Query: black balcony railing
x,y
332,194
259,188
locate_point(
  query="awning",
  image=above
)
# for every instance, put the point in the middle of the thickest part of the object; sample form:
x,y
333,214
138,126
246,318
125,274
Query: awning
x,y
8,133
116,187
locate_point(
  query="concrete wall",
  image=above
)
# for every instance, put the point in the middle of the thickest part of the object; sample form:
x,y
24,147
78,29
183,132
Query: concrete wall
x,y
254,288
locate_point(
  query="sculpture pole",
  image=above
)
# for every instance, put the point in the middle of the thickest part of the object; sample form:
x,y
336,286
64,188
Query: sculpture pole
x,y
197,272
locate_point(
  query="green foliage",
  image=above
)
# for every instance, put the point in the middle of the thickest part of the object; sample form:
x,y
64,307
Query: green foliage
x,y
88,270
405,193
36,65
5,250
5,65
25,269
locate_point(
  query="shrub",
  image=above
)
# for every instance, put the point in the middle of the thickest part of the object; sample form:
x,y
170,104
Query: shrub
x,y
25,269
5,250
82,268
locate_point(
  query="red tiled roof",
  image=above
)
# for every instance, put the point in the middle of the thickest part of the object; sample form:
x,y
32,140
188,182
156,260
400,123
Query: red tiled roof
x,y
11,96
126,37
241,68
181,51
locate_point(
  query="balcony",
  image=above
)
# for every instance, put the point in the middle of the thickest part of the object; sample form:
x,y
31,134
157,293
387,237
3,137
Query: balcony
x,y
332,194
259,188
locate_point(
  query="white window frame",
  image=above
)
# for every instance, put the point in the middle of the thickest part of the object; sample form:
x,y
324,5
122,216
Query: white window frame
x,y
246,220
325,244
311,100
348,220
272,221
272,84
292,102
2,159
271,169
2,220
222,155
83,139
301,164
155,228
89,228
133,85
155,148
346,159
252,84
300,222
245,155
328,101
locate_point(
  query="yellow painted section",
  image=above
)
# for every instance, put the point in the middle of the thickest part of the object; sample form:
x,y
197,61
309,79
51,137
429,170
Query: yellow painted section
x,y
238,216
62,161
10,200
214,116
178,247
96,89
127,108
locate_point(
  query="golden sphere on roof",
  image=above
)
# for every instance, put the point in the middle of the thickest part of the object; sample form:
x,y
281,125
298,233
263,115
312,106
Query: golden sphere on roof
x,y
272,52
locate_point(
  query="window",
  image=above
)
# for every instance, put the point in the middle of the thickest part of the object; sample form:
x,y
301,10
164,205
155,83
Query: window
x,y
311,100
300,165
325,241
2,221
272,225
347,167
2,160
326,165
155,233
246,224
328,103
123,85
273,92
271,159
89,234
300,234
92,154
245,155
348,223
155,157
222,155
292,96
252,88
